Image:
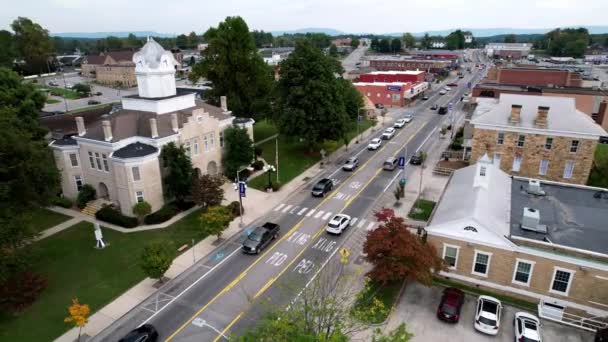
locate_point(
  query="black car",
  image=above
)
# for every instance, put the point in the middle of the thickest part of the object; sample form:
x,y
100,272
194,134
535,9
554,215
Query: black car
x,y
260,237
442,110
145,333
322,187
379,105
417,158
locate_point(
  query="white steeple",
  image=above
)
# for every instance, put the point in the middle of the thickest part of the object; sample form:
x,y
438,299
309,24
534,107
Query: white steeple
x,y
484,172
155,70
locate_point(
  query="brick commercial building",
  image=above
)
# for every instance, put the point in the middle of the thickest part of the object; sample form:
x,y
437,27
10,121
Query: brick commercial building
x,y
394,76
534,76
536,136
508,50
409,63
395,94
543,242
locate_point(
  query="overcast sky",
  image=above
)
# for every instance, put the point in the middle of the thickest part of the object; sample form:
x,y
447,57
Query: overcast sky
x,y
373,16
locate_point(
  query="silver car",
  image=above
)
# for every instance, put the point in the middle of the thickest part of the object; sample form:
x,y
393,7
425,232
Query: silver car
x,y
350,164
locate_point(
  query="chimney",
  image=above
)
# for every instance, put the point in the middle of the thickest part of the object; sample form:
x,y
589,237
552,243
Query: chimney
x,y
107,130
153,128
541,117
174,125
223,103
80,125
515,116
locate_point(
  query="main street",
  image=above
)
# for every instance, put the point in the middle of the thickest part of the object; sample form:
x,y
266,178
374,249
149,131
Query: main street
x,y
210,300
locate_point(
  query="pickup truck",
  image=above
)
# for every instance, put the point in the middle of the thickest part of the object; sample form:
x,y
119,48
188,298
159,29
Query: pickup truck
x,y
260,238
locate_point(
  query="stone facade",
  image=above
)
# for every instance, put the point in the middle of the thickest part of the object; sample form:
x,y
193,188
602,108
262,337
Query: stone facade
x,y
533,152
118,74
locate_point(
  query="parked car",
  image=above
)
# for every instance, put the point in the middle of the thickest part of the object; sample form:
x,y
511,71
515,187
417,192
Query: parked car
x,y
434,107
69,86
374,144
260,237
424,98
379,105
442,92
443,110
527,328
322,187
487,315
408,118
338,224
460,76
390,164
93,102
388,133
399,123
145,333
446,88
53,84
450,305
350,164
417,158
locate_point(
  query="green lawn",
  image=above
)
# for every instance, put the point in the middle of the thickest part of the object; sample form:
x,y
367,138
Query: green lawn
x,y
263,129
66,93
42,218
426,208
75,269
375,301
51,100
599,174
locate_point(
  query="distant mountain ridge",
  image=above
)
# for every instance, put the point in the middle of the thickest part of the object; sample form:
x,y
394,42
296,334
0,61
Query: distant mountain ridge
x,y
119,34
328,31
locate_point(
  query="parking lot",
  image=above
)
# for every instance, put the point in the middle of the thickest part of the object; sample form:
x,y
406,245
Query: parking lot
x,y
418,306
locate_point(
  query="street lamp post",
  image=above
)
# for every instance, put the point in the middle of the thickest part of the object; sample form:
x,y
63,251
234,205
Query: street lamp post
x,y
269,169
238,187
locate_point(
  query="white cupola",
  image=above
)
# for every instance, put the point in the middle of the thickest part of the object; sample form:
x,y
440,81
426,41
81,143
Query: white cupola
x,y
155,71
483,172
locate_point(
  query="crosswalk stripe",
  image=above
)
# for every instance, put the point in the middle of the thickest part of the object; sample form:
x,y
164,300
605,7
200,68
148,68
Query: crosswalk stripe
x,y
346,197
326,216
302,211
319,213
361,223
370,226
279,207
294,209
310,212
287,208
353,221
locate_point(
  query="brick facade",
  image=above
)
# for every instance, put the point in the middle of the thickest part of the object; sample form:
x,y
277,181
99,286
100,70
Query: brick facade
x,y
538,77
485,141
409,64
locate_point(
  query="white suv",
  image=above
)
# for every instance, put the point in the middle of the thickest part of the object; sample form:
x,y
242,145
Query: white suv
x,y
388,133
487,315
338,224
527,327
399,123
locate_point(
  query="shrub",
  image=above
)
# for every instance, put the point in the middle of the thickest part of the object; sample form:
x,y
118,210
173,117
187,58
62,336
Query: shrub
x,y
234,208
156,258
142,209
112,215
258,151
62,202
456,146
85,195
244,174
21,290
82,88
276,186
257,165
162,215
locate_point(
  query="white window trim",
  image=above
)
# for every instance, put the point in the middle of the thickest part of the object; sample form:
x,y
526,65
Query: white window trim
x,y
540,167
105,161
552,141
81,180
487,266
142,196
517,261
555,269
133,176
522,141
518,164
445,245
578,145
500,141
77,160
566,168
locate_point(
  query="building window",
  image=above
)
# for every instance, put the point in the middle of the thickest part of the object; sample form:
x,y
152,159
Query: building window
x,y
497,158
98,160
521,140
562,279
369,94
195,146
542,169
549,143
136,174
481,265
105,162
205,143
187,148
139,196
574,146
377,94
222,139
516,163
91,161
450,255
79,182
73,159
523,272
212,141
500,138
199,119
569,169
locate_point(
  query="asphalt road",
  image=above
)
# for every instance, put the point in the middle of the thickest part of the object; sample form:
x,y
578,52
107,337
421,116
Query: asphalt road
x,y
350,62
212,298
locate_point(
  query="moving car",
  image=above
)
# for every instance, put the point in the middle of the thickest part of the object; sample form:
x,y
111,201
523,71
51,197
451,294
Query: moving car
x,y
338,224
260,237
374,144
424,98
443,92
487,315
443,110
53,84
145,333
452,84
388,133
434,107
408,118
350,164
527,328
450,305
460,76
322,187
417,158
93,102
390,164
446,88
400,123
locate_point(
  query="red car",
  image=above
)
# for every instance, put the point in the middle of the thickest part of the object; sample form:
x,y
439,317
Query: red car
x,y
449,307
452,84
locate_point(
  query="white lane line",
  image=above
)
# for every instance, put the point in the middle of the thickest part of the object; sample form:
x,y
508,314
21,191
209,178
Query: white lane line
x,y
279,207
326,216
287,208
361,223
311,212
353,221
392,180
319,213
346,198
294,209
302,211
370,226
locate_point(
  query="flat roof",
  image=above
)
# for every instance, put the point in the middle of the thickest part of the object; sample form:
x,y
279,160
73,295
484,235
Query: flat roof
x,y
392,72
383,84
574,216
545,89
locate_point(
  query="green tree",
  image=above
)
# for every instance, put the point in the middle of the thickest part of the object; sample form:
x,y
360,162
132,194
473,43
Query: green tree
x,y
353,100
355,43
570,42
311,98
384,45
114,43
399,334
207,190
215,220
375,44
7,53
261,38
239,150
510,38
33,45
182,41
193,40
232,63
142,209
396,45
426,41
178,174
408,40
156,258
455,40
133,42
82,88
399,192
333,50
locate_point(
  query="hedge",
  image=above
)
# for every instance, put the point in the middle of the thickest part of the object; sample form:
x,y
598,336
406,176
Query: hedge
x,y
85,195
234,208
111,215
163,214
62,202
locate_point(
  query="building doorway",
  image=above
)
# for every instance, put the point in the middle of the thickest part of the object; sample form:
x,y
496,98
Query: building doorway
x,y
103,191
212,168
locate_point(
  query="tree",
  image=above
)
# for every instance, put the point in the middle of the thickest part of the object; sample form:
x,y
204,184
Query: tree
x,y
156,258
426,41
232,63
353,100
133,42
395,253
207,190
215,220
408,40
384,45
114,43
399,191
7,53
355,43
239,150
21,290
399,334
79,315
570,42
455,40
262,39
82,88
182,41
33,45
510,38
375,44
193,40
395,45
178,171
142,209
311,98
333,50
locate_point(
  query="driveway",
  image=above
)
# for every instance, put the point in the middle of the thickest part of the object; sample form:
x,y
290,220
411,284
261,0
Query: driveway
x,y
418,306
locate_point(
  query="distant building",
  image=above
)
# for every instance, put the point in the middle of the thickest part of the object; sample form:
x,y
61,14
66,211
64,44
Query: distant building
x,y
393,94
534,76
413,76
468,38
438,44
342,41
202,47
508,50
404,63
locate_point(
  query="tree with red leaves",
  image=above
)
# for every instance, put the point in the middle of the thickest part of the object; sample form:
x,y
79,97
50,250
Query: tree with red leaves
x,y
398,254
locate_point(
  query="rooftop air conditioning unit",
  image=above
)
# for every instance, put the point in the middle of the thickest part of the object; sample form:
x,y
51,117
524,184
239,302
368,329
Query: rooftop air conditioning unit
x,y
534,188
531,221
